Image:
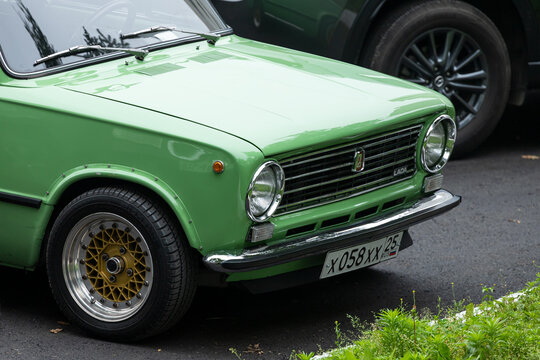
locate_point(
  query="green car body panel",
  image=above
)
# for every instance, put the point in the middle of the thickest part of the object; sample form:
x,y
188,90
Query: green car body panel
x,y
162,122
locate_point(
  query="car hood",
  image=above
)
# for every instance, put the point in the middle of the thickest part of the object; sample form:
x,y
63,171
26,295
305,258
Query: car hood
x,y
277,99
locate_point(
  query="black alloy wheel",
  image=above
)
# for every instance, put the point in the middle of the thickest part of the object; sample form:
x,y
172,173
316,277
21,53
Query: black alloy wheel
x,y
450,62
453,48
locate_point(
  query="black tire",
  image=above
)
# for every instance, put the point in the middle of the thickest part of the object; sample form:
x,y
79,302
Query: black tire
x,y
392,40
121,233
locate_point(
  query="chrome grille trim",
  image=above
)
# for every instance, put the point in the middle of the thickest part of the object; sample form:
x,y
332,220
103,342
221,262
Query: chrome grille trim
x,y
347,177
390,152
320,171
345,191
322,177
317,158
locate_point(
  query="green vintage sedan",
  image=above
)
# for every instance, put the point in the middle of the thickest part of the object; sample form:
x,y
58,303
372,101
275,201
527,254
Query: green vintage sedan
x,y
146,150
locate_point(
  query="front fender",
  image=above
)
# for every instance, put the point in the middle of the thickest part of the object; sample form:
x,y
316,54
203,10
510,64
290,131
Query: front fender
x,y
132,175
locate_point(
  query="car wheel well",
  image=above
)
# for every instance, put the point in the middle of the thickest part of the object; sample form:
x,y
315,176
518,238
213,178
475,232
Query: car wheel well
x,y
503,14
80,187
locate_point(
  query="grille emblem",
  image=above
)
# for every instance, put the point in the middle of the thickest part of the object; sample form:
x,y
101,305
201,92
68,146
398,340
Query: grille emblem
x,y
359,160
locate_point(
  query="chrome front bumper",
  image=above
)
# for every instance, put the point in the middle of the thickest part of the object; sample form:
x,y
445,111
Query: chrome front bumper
x,y
361,232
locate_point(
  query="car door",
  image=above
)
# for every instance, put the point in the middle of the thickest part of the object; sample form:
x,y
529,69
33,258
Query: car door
x,y
304,15
23,216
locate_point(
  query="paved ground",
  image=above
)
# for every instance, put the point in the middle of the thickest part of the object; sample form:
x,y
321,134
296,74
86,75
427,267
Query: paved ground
x,y
492,238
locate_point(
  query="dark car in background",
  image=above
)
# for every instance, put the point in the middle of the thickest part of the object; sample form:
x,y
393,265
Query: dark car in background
x,y
482,54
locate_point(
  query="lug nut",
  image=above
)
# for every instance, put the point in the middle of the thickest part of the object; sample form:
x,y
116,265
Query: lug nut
x,y
84,247
92,291
115,305
139,295
91,235
102,300
112,278
129,272
105,256
81,261
93,301
122,250
84,277
128,303
146,283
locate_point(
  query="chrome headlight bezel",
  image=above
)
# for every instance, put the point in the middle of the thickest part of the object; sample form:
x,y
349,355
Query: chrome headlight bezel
x,y
450,131
277,195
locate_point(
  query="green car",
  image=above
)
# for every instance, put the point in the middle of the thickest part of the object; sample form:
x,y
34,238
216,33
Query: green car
x,y
146,150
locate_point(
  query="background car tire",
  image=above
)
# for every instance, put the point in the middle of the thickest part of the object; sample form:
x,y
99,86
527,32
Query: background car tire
x,y
115,231
417,24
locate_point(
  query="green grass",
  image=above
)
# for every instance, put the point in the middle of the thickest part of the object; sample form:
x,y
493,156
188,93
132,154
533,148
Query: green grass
x,y
508,328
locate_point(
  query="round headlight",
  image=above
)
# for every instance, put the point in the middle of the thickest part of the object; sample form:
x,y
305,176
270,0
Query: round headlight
x,y
265,191
438,143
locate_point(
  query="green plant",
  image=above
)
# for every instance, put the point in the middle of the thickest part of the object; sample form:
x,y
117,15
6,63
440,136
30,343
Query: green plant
x,y
340,340
302,355
495,329
235,353
488,292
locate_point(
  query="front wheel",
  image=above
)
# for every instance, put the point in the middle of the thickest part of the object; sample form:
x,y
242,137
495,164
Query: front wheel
x,y
118,266
453,48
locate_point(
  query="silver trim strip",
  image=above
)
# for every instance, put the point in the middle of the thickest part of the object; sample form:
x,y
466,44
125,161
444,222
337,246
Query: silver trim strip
x,y
263,257
346,191
319,171
412,132
355,143
366,172
391,139
318,158
391,151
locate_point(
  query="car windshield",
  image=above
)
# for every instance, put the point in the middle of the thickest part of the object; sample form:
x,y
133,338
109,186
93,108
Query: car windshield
x,y
33,29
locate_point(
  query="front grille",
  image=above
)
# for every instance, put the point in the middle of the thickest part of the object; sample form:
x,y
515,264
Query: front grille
x,y
327,175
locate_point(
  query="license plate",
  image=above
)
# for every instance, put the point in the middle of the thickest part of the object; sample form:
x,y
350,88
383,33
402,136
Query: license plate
x,y
356,257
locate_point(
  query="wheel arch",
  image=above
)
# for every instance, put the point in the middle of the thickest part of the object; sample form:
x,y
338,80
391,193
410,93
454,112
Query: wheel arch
x,y
511,17
79,180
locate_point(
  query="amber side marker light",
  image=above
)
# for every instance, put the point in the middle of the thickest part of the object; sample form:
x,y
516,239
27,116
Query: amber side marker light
x,y
218,167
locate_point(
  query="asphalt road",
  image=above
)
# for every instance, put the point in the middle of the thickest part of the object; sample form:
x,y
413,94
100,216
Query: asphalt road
x,y
493,237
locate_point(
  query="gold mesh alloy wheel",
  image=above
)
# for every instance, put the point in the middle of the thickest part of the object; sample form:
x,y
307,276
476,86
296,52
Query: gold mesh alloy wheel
x,y
107,266
115,264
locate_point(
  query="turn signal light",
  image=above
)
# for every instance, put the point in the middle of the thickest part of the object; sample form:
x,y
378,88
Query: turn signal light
x,y
218,167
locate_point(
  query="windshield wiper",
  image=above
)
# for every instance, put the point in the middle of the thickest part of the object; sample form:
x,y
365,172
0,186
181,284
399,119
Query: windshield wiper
x,y
140,54
211,38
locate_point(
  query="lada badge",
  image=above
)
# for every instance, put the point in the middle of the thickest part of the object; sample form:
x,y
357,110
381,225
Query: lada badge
x,y
359,160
